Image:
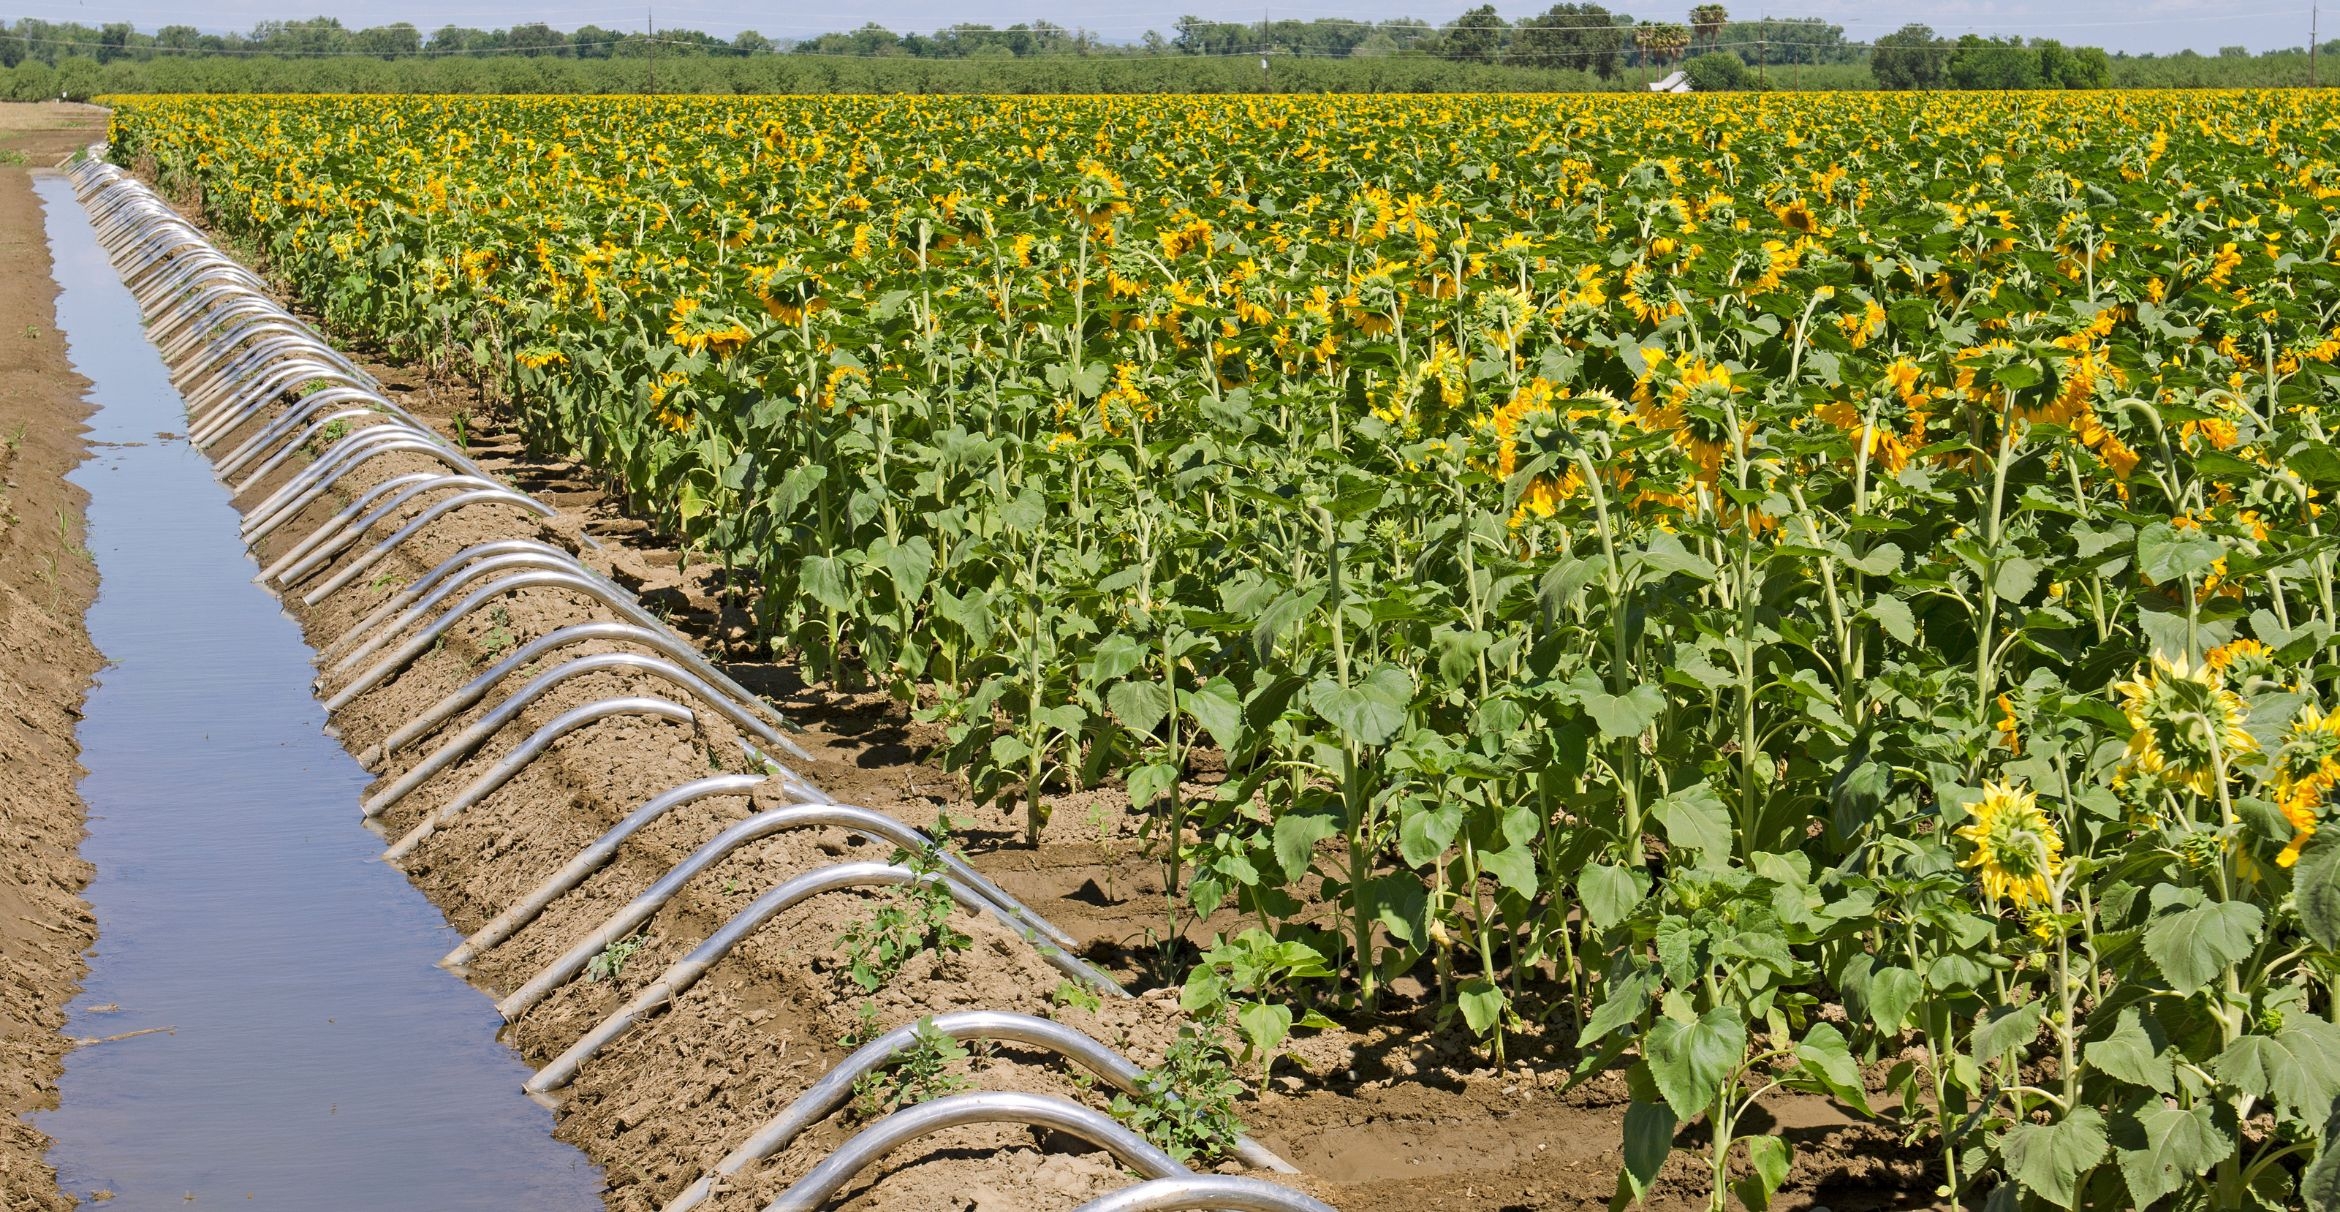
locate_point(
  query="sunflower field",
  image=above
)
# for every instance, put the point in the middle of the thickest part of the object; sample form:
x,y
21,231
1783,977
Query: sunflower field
x,y
1816,592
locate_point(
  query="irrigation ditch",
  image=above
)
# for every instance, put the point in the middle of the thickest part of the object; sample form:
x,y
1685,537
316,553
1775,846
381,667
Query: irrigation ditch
x,y
650,874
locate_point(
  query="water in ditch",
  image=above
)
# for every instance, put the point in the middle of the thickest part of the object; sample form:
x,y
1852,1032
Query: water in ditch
x,y
277,1034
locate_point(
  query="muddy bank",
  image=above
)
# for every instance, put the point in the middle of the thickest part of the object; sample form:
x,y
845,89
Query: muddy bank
x,y
46,582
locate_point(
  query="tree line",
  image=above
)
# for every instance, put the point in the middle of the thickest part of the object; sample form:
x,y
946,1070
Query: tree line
x,y
1566,47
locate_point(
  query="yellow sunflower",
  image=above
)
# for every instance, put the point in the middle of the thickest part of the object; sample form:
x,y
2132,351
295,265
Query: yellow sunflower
x,y
2183,717
2307,768
2016,848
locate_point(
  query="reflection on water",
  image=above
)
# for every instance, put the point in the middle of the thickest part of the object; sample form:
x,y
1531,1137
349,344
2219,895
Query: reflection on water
x,y
316,1058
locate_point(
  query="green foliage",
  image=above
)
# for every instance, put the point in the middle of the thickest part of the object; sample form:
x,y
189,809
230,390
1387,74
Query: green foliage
x,y
1186,1104
1253,977
1719,73
919,1072
909,919
1851,574
613,959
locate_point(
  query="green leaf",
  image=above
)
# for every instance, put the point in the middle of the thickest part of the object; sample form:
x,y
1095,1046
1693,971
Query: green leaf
x,y
1369,712
1263,1024
2164,1147
1426,829
2167,554
1893,993
2298,1066
2015,578
1151,782
1695,818
1140,706
1219,710
2135,1053
2048,1159
1690,1060
1893,615
2319,1184
1296,839
1649,1140
1829,1062
2007,1030
2192,946
910,563
1771,1159
1626,1000
1624,715
1514,867
2315,889
1608,893
824,579
1482,1004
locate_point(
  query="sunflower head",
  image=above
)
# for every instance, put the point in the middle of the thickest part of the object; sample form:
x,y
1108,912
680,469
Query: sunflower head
x,y
2307,770
2246,664
2016,848
2183,718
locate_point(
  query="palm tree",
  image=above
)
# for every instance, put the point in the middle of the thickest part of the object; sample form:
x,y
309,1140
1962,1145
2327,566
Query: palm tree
x,y
1670,41
1706,24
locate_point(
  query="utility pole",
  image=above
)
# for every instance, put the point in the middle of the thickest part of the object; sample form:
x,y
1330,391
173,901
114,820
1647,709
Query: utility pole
x,y
650,16
2315,11
1263,45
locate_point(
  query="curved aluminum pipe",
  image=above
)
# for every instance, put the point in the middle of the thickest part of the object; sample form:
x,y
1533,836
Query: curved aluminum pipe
x,y
268,331
836,1086
463,743
439,509
517,915
216,414
246,396
242,333
473,691
334,526
645,906
323,550
685,972
528,751
384,439
423,584
1215,1192
312,480
242,405
258,444
553,560
588,586
300,441
957,1110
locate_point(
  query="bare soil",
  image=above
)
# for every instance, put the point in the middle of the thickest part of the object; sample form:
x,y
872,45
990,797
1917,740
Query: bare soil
x,y
46,583
1387,1113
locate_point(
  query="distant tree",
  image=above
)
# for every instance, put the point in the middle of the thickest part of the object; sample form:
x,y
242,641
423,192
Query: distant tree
x,y
1661,42
1375,46
749,42
1977,62
594,42
536,38
389,41
1475,37
1706,23
1910,57
1718,72
1582,36
2234,52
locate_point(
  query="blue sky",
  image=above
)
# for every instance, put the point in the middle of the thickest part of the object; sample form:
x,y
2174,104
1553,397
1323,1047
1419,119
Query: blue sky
x,y
2133,25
